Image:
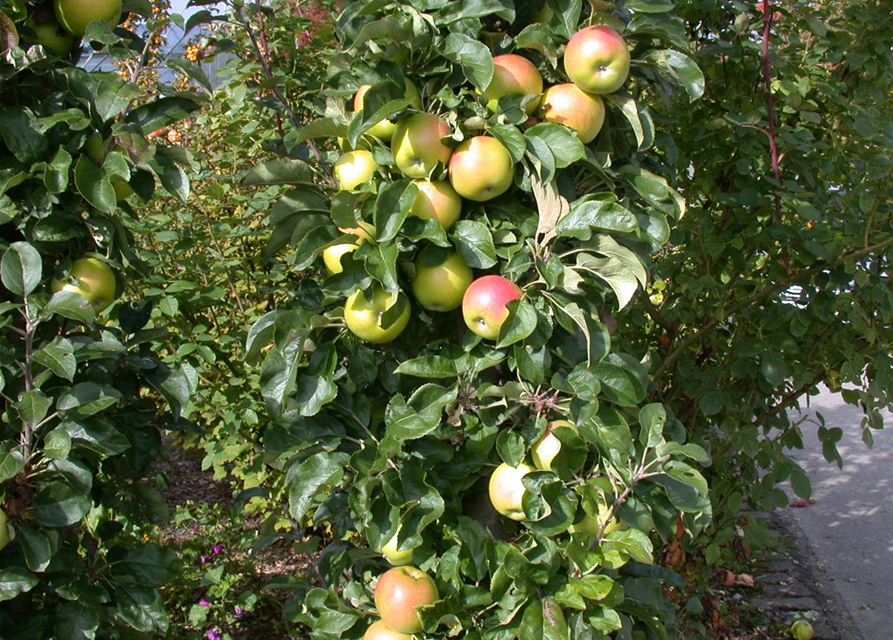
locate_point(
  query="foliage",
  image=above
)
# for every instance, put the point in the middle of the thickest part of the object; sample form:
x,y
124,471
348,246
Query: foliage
x,y
84,396
408,434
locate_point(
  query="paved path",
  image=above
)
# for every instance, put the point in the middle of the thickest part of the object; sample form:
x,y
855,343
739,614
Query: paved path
x,y
850,526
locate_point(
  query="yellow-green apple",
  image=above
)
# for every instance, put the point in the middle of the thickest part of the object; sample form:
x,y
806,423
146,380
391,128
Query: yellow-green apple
x,y
483,305
331,256
398,592
4,529
513,75
481,169
396,557
438,201
48,32
597,59
384,130
569,105
441,287
547,446
93,279
802,630
354,168
417,145
507,490
543,15
593,524
76,15
363,316
380,631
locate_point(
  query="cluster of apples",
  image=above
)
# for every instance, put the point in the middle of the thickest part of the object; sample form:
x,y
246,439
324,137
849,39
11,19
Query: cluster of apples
x,y
597,61
56,27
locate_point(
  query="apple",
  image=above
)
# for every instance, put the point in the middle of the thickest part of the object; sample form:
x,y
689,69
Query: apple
x,y
440,287
547,446
398,592
597,59
76,15
513,75
380,631
331,256
49,33
354,168
94,280
802,630
569,105
384,130
437,201
417,145
507,490
593,524
483,305
396,557
481,169
4,529
363,316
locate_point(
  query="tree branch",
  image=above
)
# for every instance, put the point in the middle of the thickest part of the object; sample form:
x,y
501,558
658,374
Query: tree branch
x,y
767,81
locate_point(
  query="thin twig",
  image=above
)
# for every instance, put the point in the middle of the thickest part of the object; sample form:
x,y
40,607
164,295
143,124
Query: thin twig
x,y
767,80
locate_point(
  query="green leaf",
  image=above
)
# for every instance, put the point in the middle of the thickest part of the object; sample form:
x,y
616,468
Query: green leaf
x,y
36,546
466,9
391,208
71,305
800,482
543,620
57,444
512,139
652,418
474,243
306,479
630,110
565,146
58,357
420,415
288,172
649,6
75,621
173,384
670,29
316,387
22,135
11,460
773,368
162,113
55,177
33,406
98,436
149,565
141,608
58,504
681,69
87,398
192,70
520,323
15,581
94,185
619,384
428,367
21,268
596,212
473,56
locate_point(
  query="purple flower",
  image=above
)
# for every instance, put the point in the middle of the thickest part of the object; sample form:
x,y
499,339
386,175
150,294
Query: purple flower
x,y
196,528
239,612
214,634
204,603
217,549
204,560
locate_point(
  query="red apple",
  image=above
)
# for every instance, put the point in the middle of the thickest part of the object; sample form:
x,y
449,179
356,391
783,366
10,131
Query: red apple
x,y
483,305
569,105
597,60
380,631
513,75
481,169
398,592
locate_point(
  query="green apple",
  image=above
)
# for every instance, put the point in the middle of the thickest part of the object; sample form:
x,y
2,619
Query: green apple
x,y
481,168
76,15
597,60
398,592
437,201
363,316
802,630
569,105
513,75
49,33
483,305
380,631
507,490
547,446
93,279
354,168
331,256
440,287
417,145
384,130
593,524
394,556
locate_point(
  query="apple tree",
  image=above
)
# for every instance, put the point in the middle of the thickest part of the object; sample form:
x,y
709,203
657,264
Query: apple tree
x,y
466,226
84,395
